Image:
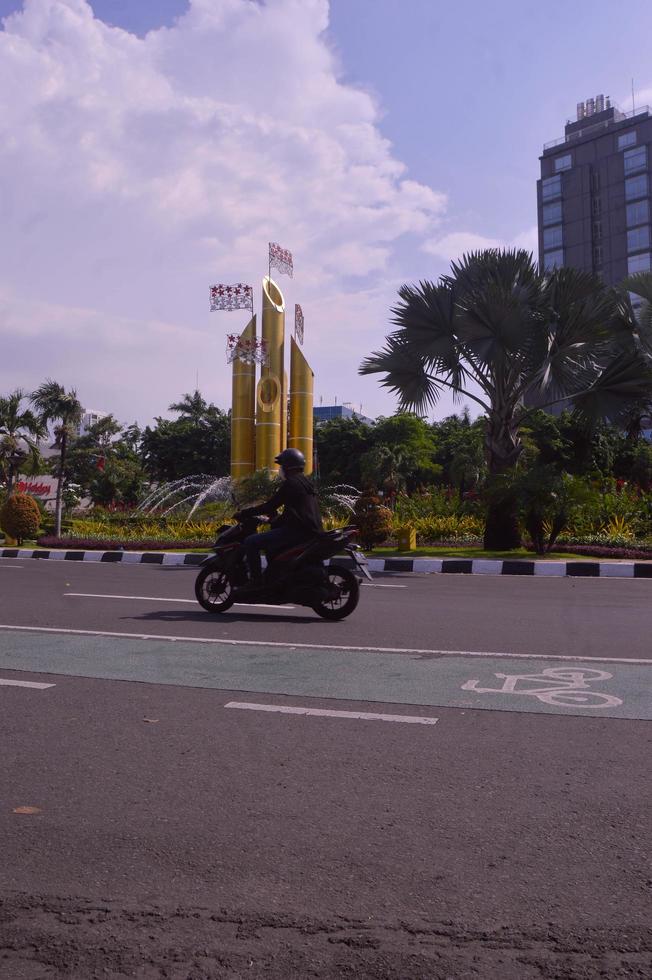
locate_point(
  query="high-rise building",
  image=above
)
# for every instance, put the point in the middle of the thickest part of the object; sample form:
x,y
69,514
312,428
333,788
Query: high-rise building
x,y
90,417
594,193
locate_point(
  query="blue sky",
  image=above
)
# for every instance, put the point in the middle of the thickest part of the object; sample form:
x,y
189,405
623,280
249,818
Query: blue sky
x,y
465,93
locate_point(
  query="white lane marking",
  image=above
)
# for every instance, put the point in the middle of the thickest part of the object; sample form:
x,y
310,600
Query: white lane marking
x,y
11,566
377,585
154,598
5,682
285,709
496,654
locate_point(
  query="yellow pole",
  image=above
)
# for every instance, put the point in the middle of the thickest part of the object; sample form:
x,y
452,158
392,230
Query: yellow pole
x,y
301,402
243,412
269,396
284,412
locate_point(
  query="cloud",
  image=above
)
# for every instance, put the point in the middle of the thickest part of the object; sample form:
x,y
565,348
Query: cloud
x,y
143,169
455,244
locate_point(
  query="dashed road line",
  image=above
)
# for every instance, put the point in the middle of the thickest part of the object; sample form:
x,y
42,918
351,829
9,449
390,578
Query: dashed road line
x,y
37,685
285,709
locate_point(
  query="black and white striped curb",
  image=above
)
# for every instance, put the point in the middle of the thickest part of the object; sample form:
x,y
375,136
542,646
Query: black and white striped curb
x,y
459,566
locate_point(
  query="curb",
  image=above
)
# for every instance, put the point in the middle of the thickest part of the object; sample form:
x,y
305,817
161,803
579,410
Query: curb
x,y
455,566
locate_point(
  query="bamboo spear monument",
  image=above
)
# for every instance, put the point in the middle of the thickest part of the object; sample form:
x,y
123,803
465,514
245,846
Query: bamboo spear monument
x,y
259,411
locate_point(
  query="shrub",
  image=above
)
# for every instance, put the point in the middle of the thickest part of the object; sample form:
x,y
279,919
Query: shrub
x,y
373,520
20,517
448,527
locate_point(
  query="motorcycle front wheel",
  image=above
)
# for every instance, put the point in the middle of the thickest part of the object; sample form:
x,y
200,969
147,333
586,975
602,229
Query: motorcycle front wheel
x,y
214,590
344,592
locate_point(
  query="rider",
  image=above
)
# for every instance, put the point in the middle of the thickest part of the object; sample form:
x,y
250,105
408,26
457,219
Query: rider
x,y
299,521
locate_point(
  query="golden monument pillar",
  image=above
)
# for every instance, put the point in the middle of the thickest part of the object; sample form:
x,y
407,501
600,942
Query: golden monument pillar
x,y
269,395
243,410
301,404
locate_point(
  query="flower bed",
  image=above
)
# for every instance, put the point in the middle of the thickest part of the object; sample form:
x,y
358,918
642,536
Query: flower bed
x,y
113,544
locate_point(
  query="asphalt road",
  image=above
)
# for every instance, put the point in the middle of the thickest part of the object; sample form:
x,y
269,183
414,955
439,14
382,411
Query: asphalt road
x,y
493,822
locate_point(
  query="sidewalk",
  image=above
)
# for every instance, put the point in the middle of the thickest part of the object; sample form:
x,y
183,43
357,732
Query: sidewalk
x,y
455,566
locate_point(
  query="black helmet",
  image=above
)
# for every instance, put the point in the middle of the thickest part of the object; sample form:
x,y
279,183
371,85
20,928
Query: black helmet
x,y
291,459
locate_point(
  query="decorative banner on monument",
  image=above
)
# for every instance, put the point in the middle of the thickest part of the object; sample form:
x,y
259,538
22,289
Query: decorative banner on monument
x,y
238,297
250,351
281,259
298,323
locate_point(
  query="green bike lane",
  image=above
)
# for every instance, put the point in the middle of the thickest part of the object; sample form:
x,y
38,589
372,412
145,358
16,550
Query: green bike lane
x,y
466,680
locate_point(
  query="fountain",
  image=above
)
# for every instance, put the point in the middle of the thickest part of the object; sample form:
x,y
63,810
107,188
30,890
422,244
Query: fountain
x,y
174,497
199,488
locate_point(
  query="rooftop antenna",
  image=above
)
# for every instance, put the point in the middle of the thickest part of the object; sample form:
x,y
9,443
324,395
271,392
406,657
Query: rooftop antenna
x,y
197,380
633,103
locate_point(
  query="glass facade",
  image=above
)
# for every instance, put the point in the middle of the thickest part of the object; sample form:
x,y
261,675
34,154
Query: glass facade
x,y
636,187
639,263
627,139
552,237
552,213
638,213
552,260
635,159
563,163
638,238
551,187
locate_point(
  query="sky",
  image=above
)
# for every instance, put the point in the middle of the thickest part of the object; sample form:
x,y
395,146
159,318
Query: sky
x,y
151,148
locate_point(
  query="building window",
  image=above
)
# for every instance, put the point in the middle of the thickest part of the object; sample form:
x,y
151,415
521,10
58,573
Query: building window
x,y
638,238
597,231
597,205
563,163
638,213
551,187
635,159
627,139
636,187
639,263
552,237
552,260
597,256
552,213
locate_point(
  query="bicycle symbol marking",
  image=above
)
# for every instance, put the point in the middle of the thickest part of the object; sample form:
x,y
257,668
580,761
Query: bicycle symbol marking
x,y
565,686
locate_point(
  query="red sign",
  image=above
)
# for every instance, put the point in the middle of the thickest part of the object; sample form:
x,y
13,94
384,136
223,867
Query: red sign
x,y
44,487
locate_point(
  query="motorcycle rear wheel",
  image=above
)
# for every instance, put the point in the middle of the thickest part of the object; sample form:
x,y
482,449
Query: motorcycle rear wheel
x,y
214,590
343,604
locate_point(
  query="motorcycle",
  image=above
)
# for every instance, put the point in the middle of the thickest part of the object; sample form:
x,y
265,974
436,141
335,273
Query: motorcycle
x,y
298,575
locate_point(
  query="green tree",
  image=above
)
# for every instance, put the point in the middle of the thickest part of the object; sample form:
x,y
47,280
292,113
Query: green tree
x,y
460,450
340,444
106,463
503,334
199,441
20,432
62,408
409,446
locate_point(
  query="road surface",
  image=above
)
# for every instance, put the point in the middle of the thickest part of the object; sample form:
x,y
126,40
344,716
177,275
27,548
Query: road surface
x,y
453,783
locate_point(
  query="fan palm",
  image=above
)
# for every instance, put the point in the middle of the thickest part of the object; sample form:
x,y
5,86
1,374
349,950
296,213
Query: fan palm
x,y
20,431
505,335
62,408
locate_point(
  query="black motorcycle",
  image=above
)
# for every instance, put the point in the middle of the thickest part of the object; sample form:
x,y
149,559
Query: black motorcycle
x,y
299,574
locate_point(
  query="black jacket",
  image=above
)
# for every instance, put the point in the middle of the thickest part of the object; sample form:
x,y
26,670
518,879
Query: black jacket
x,y
298,498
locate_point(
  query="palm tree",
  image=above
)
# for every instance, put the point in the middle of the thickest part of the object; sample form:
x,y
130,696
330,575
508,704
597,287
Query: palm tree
x,y
192,407
63,408
20,431
502,333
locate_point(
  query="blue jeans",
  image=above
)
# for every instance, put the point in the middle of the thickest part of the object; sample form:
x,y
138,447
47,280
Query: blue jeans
x,y
277,539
